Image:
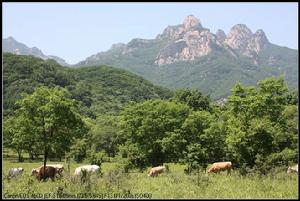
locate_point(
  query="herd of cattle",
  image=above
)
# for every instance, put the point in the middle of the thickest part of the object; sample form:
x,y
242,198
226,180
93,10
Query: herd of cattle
x,y
50,171
53,170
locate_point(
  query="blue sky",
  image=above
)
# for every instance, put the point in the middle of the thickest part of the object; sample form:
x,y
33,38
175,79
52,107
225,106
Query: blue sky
x,y
74,31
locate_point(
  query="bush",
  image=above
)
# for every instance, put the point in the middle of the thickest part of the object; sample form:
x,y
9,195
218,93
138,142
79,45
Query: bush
x,y
124,164
78,150
97,158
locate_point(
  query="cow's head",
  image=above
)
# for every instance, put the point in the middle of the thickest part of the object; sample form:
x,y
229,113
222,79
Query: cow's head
x,y
34,172
21,169
290,170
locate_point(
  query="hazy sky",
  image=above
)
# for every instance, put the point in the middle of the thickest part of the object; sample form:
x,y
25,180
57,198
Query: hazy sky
x,y
74,31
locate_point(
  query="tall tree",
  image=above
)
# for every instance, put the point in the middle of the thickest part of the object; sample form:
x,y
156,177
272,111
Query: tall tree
x,y
147,127
104,135
262,124
52,116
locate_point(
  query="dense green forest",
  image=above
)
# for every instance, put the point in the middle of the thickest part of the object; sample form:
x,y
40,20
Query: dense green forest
x,y
98,114
98,90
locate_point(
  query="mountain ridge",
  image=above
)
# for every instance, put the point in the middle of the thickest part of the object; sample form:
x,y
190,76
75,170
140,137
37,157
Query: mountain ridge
x,y
13,46
173,58
189,55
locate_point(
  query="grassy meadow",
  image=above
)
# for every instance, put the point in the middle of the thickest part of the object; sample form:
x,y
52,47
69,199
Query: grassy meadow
x,y
174,184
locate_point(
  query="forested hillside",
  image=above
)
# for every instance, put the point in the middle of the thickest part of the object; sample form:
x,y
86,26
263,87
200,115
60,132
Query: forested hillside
x,y
99,89
138,124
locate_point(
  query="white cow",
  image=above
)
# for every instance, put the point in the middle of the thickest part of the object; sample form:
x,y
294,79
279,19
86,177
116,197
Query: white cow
x,y
15,171
87,168
293,169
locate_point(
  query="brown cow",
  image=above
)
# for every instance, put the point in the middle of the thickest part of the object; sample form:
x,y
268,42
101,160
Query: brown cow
x,y
220,166
49,172
58,168
156,170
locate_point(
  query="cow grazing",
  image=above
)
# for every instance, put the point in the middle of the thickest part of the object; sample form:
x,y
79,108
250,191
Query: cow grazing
x,y
292,169
220,166
14,172
40,173
88,169
58,168
155,171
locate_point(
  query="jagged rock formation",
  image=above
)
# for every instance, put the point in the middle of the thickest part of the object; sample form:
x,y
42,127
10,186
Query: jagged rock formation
x,y
189,55
243,41
190,40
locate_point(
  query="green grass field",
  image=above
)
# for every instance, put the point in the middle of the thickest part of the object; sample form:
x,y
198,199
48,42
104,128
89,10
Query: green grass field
x,y
174,184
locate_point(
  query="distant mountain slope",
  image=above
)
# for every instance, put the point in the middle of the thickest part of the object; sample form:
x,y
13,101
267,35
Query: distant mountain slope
x,y
11,45
100,89
189,55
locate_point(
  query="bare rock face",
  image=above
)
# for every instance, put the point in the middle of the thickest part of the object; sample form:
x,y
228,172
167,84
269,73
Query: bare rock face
x,y
259,41
188,41
239,37
190,21
178,31
243,41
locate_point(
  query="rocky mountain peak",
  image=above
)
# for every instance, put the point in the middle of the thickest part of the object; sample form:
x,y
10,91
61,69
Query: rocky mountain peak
x,y
242,28
189,41
242,40
261,35
177,31
191,21
220,34
260,32
238,35
259,41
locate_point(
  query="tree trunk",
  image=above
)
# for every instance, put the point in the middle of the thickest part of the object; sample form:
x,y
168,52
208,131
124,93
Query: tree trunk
x,y
31,156
36,155
20,158
45,161
45,150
